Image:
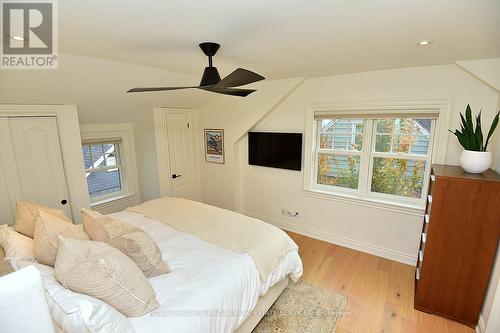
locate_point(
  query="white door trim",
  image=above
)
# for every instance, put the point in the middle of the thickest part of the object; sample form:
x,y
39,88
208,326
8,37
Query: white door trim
x,y
71,147
162,150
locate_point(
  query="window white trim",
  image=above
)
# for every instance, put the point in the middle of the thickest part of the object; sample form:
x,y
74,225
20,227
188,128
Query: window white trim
x,y
70,141
123,133
438,144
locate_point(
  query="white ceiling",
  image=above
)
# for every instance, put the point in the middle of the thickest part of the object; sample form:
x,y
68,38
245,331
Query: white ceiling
x,y
281,38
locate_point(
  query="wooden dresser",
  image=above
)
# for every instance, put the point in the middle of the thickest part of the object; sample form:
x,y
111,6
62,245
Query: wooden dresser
x,y
460,234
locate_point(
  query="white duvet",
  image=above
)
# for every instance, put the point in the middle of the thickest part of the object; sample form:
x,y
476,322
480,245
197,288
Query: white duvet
x,y
210,289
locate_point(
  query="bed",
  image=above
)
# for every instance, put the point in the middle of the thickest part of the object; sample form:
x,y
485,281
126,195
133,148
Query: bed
x,y
210,288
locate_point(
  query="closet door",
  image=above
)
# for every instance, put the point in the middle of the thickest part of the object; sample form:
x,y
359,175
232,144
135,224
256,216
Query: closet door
x,y
10,189
39,161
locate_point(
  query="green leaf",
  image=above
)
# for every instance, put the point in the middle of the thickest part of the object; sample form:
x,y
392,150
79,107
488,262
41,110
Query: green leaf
x,y
462,139
478,134
492,129
464,123
468,117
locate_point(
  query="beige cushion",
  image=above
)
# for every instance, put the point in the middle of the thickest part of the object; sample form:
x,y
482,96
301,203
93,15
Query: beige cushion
x,y
99,270
47,228
27,213
14,245
133,242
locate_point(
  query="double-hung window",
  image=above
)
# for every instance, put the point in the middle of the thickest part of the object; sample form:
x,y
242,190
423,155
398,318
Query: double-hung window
x,y
373,156
110,165
103,170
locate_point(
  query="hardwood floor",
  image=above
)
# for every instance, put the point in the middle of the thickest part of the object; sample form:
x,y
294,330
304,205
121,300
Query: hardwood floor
x,y
380,291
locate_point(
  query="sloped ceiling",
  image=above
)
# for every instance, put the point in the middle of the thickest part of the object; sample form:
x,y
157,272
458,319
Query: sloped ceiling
x,y
280,39
98,88
107,47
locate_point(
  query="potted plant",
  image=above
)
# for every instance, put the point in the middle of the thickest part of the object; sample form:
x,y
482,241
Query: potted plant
x,y
474,158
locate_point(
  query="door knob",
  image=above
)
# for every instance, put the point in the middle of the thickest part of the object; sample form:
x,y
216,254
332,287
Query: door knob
x,y
175,176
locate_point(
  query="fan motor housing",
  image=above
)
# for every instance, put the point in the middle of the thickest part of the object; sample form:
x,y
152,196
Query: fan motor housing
x,y
210,76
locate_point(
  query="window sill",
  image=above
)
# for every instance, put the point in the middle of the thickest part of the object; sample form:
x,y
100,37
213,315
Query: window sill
x,y
113,201
404,208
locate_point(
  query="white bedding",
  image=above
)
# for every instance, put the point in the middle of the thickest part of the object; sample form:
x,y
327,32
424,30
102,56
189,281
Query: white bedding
x,y
210,289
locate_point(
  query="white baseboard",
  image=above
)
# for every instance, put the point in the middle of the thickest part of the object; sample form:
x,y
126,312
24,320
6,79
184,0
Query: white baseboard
x,y
340,240
480,325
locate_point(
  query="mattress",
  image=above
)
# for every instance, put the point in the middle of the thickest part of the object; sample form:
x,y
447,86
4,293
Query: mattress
x,y
210,289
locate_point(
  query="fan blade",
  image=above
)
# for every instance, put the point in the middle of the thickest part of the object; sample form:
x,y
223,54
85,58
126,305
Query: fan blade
x,y
228,91
239,77
157,89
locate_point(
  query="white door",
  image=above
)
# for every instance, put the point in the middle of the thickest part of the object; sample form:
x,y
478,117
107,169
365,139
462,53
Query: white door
x,y
180,147
10,188
35,141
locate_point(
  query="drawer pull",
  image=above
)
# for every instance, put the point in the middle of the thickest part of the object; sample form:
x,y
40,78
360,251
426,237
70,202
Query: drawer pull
x,y
424,237
420,255
433,178
417,274
427,218
429,198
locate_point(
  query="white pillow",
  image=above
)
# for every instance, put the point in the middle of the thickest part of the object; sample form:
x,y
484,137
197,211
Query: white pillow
x,y
77,313
15,245
23,306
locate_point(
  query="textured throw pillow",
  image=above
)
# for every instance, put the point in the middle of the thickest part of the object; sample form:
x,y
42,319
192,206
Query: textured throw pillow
x,y
47,228
133,242
15,245
101,271
27,213
78,313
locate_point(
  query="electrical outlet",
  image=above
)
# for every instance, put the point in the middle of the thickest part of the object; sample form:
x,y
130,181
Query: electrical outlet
x,y
284,212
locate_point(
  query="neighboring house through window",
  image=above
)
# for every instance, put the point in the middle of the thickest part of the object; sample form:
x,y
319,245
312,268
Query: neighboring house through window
x,y
103,168
109,160
376,155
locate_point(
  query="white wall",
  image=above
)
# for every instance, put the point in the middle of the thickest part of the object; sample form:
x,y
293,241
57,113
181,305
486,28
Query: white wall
x,y
98,88
236,116
486,70
264,192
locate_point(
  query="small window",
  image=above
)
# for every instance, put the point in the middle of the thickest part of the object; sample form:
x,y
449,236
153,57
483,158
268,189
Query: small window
x,y
104,170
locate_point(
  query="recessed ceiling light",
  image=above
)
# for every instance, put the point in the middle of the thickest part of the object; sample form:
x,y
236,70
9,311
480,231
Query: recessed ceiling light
x,y
19,38
423,42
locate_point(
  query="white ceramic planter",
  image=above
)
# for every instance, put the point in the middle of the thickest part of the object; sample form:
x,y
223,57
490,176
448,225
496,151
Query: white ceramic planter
x,y
475,161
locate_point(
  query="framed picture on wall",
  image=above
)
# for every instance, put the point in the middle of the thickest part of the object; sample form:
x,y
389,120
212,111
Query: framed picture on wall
x,y
214,146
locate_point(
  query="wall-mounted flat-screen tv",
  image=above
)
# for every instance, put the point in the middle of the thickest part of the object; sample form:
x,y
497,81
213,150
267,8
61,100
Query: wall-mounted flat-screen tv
x,y
275,150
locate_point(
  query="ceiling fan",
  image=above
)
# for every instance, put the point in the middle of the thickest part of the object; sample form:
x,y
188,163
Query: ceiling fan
x,y
211,80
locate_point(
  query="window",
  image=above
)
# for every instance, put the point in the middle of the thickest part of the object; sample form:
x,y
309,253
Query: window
x,y
110,165
400,156
378,157
339,152
103,169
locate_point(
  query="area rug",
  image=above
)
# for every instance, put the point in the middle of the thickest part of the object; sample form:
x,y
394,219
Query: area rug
x,y
303,308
